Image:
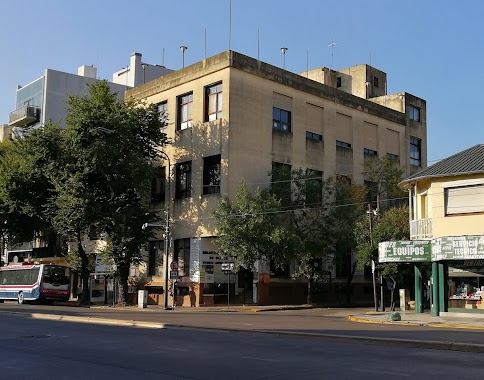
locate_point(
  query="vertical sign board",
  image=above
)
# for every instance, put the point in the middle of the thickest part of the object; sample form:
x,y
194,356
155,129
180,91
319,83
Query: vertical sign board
x,y
195,259
404,251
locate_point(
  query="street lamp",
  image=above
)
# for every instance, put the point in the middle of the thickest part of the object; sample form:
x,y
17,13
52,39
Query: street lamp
x,y
183,48
284,49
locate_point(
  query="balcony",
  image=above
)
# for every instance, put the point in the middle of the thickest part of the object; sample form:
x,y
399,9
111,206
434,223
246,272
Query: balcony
x,y
420,229
24,116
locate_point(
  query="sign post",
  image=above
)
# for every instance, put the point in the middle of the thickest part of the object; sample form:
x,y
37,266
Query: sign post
x,y
227,268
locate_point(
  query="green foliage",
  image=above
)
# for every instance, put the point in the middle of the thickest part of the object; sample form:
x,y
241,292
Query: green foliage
x,y
248,227
391,226
384,174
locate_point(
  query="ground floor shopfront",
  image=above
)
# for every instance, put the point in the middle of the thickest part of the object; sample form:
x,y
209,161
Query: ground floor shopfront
x,y
448,271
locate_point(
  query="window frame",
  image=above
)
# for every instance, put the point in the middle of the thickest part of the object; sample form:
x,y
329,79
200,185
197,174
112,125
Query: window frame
x,y
162,112
414,113
217,96
183,186
370,152
415,146
158,185
212,168
313,136
277,121
185,101
182,246
343,144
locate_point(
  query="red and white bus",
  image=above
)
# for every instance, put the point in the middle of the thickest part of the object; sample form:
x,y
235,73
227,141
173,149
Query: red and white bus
x,y
30,282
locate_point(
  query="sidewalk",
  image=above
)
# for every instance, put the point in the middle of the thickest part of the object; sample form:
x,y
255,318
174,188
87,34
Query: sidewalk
x,y
411,318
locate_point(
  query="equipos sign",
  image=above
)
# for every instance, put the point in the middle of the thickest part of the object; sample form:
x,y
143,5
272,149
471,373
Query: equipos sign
x,y
404,251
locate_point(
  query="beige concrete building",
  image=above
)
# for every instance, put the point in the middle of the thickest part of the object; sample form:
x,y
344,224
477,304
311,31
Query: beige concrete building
x,y
231,118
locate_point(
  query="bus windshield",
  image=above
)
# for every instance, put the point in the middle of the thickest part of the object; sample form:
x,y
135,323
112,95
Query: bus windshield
x,y
56,275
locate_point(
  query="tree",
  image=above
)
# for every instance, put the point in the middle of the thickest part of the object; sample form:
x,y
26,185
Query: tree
x,y
391,226
26,191
308,221
347,210
110,145
383,176
248,228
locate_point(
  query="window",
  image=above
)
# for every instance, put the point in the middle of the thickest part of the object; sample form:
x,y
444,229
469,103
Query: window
x,y
185,111
162,111
370,152
392,156
314,187
181,255
281,119
281,182
213,102
158,186
376,82
313,136
342,144
414,113
211,175
183,182
155,258
464,199
338,82
415,151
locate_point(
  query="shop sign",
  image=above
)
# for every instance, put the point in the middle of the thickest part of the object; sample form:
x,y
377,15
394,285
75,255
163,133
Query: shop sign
x,y
404,251
470,247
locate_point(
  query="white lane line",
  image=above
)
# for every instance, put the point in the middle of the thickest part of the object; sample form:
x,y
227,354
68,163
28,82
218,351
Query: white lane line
x,y
264,360
381,372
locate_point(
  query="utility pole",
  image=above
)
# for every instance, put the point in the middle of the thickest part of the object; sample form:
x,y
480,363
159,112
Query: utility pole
x,y
369,212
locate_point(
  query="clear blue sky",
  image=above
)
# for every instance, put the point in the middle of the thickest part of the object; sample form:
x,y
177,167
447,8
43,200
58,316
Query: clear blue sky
x,y
432,49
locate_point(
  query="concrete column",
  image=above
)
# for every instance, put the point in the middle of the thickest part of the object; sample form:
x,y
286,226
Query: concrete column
x,y
443,286
434,307
418,290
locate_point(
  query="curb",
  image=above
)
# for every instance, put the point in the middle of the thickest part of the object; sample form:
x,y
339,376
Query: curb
x,y
436,345
363,320
403,323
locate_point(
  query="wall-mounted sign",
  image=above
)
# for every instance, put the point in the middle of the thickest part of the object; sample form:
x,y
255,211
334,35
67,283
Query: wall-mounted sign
x,y
468,247
404,251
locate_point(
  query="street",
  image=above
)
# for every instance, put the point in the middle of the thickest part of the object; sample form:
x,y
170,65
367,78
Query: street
x,y
313,321
55,350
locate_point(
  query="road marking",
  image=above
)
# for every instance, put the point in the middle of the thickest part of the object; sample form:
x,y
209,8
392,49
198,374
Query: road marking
x,y
382,372
264,360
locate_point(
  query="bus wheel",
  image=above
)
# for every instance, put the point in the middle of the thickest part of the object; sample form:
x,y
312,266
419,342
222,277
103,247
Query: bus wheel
x,y
20,297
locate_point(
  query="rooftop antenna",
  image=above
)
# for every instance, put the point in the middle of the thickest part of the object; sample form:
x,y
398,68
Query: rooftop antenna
x,y
230,21
163,62
307,63
205,45
258,45
284,49
332,45
183,48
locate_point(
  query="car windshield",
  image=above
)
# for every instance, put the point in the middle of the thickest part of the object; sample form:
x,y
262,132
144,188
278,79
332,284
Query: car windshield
x,y
56,275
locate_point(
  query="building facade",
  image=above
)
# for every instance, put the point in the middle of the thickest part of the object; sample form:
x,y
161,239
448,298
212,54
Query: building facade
x,y
447,225
233,118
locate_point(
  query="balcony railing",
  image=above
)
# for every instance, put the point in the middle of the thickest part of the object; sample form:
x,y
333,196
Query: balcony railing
x,y
421,229
23,116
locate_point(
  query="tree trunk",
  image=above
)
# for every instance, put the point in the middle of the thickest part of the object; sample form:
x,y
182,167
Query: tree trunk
x,y
86,294
349,279
310,283
123,275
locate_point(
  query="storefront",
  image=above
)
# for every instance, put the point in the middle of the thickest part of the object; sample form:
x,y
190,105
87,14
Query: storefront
x,y
456,283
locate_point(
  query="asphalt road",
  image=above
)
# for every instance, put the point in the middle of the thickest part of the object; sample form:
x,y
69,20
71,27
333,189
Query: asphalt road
x,y
315,321
39,349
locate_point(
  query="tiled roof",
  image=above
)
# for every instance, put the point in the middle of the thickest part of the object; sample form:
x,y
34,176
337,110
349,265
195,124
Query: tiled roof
x,y
468,161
